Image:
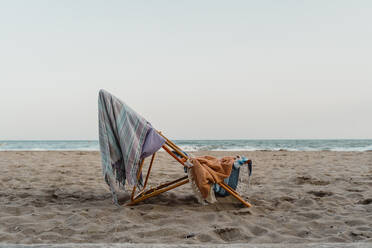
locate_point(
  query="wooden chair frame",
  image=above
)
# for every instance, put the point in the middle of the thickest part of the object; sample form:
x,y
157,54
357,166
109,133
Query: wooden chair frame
x,y
171,149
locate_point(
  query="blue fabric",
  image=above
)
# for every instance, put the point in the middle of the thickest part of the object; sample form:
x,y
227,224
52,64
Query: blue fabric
x,y
153,142
239,161
233,179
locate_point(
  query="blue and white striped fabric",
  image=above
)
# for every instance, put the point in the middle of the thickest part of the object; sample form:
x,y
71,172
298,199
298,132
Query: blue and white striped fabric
x,y
122,133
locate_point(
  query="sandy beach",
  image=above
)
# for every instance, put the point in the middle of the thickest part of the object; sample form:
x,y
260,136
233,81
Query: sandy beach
x,y
297,197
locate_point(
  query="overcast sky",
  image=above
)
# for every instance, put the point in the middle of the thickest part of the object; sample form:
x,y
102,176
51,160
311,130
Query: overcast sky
x,y
194,69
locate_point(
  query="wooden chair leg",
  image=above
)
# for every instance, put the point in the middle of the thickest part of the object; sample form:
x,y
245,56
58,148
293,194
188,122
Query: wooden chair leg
x,y
138,177
148,174
234,194
173,155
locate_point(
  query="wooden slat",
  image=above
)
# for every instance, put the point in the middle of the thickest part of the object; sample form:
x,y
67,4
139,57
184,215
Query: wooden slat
x,y
157,192
234,194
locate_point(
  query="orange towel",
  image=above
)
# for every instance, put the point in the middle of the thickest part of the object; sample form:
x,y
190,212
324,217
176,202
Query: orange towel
x,y
208,170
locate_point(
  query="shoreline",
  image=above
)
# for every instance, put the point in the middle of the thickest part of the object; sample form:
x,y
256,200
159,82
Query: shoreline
x,y
341,145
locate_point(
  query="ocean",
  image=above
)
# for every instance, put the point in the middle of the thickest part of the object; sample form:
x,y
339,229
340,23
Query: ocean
x,y
202,145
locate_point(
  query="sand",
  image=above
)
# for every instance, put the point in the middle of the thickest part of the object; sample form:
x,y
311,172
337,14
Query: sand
x,y
201,245
297,197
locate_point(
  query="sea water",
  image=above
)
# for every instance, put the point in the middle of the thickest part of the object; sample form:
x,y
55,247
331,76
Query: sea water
x,y
201,145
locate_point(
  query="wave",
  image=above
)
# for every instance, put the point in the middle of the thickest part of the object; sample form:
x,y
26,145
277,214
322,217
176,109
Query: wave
x,y
191,148
204,145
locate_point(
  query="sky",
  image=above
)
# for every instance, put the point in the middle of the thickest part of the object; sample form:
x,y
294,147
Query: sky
x,y
194,69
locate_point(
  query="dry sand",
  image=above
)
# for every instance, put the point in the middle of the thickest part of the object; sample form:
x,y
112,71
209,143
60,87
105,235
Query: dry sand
x,y
298,197
200,245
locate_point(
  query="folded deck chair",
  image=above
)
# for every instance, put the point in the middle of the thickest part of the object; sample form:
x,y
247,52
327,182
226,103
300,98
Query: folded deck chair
x,y
126,140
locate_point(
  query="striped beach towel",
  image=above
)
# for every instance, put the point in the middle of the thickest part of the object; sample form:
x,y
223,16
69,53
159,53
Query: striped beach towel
x,y
122,133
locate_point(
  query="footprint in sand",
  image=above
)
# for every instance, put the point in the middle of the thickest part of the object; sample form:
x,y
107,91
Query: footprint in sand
x,y
365,201
229,233
242,212
303,233
310,215
258,231
320,193
205,238
357,236
309,180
